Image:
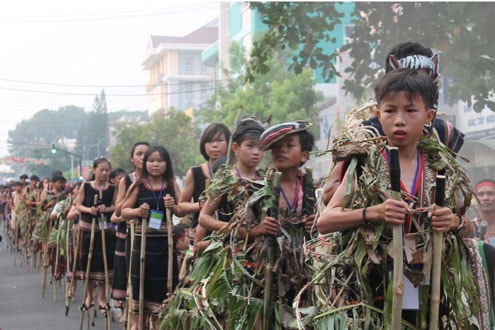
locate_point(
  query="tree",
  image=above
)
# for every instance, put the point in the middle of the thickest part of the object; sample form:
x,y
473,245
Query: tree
x,y
174,131
278,93
462,32
33,138
97,138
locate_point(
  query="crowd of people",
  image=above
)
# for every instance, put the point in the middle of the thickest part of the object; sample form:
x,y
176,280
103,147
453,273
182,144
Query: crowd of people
x,y
256,247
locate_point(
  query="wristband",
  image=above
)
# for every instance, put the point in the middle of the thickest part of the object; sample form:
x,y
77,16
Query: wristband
x,y
366,222
462,224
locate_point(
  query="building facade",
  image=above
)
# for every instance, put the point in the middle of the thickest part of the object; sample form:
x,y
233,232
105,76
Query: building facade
x,y
177,77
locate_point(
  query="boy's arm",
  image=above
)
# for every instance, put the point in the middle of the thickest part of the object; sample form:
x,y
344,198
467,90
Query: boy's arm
x,y
336,218
206,218
332,183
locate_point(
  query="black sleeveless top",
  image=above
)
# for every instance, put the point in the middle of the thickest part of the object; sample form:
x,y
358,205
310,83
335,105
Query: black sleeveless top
x,y
89,198
199,187
154,198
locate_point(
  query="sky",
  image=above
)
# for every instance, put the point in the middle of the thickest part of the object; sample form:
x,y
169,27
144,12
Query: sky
x,y
56,53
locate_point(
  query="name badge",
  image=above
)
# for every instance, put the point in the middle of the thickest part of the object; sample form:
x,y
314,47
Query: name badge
x,y
103,224
156,217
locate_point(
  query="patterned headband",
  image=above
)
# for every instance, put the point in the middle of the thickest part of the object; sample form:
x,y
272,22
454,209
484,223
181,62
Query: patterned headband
x,y
417,62
485,184
277,132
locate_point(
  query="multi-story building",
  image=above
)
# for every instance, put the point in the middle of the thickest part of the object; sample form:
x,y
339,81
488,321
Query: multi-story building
x,y
178,79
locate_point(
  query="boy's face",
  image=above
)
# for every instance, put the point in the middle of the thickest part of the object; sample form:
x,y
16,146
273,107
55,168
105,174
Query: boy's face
x,y
249,152
403,119
58,185
287,154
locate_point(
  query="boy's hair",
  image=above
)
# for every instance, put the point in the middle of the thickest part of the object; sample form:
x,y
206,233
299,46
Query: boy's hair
x,y
412,82
210,133
116,172
248,127
59,178
307,141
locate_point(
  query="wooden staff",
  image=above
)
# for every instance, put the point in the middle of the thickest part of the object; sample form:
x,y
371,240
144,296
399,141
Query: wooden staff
x,y
129,278
75,246
54,270
142,260
44,259
398,285
437,255
85,308
105,263
170,238
271,244
68,293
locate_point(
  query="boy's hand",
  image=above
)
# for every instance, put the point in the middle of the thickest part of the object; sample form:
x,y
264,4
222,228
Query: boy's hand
x,y
309,221
269,226
441,218
394,211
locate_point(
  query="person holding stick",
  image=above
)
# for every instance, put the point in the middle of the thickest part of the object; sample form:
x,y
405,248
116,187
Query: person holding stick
x,y
95,202
213,145
413,56
147,200
123,241
363,213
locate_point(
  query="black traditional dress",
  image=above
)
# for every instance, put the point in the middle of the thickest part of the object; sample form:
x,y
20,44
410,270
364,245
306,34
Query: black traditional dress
x,y
157,253
120,267
97,266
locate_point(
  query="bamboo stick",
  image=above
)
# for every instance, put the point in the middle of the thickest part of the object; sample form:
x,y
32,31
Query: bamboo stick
x,y
129,278
67,267
437,255
142,260
75,247
54,271
170,239
105,263
398,272
88,267
271,244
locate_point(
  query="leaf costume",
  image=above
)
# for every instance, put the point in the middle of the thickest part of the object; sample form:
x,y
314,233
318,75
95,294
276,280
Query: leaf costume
x,y
353,283
228,278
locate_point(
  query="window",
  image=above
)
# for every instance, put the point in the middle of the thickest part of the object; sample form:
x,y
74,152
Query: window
x,y
204,91
203,68
189,65
189,92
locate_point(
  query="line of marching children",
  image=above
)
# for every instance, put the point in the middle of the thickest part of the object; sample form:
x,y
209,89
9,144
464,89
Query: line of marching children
x,y
264,252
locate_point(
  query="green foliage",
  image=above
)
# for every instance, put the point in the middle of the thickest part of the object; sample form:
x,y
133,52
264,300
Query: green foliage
x,y
33,138
460,31
281,94
97,139
174,131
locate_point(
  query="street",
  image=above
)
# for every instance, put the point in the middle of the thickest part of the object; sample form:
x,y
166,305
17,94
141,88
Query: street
x,y
22,306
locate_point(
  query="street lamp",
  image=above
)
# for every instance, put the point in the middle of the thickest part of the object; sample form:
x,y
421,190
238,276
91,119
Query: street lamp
x,y
97,145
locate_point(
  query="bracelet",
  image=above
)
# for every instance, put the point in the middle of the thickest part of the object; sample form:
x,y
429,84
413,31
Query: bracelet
x,y
366,222
462,224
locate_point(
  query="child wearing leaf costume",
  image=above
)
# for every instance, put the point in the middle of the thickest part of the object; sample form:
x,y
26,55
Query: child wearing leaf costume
x,y
362,213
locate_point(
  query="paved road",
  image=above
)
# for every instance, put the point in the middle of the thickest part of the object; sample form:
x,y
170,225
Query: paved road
x,y
21,304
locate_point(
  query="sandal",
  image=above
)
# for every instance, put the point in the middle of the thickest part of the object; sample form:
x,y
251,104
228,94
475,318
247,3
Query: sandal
x,y
104,310
85,308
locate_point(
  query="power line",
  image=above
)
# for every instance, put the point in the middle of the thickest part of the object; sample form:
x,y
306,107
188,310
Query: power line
x,y
98,16
180,85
